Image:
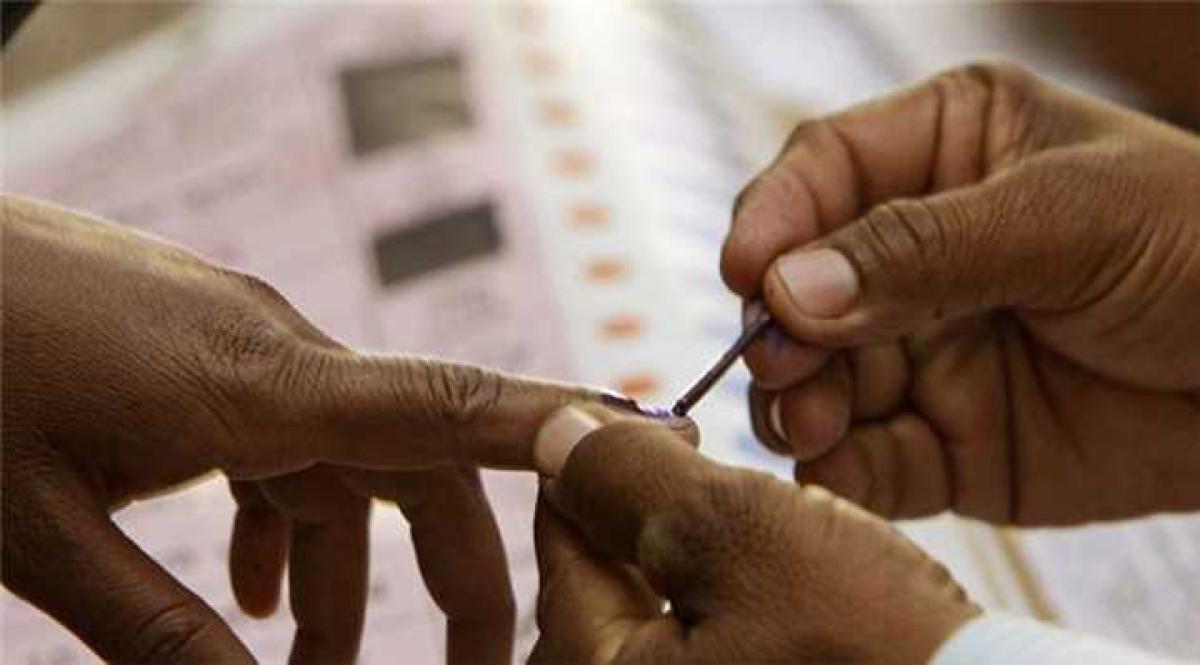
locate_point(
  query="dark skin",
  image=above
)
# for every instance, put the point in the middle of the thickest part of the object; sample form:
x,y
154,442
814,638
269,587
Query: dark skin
x,y
132,367
1012,330
756,570
1003,320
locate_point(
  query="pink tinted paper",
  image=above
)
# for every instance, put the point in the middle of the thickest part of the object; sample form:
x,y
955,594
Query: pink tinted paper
x,y
247,160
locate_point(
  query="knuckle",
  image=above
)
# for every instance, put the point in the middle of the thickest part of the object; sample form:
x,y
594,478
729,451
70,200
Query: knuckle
x,y
258,287
972,84
253,349
905,232
1014,114
239,336
947,252
780,186
988,78
460,396
737,500
246,331
803,132
176,633
768,182
1013,111
249,365
999,71
1004,95
773,188
252,358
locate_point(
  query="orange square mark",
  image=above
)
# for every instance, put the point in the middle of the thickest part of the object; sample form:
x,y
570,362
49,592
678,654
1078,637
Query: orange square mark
x,y
571,162
605,270
640,385
557,113
542,63
621,326
528,16
588,215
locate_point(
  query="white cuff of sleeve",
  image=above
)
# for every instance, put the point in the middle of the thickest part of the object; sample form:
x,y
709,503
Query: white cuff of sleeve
x,y
1002,639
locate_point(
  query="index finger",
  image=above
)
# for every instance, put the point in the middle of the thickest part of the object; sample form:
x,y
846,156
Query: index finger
x,y
407,413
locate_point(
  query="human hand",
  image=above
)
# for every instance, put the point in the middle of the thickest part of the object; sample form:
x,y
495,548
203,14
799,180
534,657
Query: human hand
x,y
755,570
130,367
990,288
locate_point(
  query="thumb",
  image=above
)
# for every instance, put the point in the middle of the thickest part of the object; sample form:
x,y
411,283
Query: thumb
x,y
908,263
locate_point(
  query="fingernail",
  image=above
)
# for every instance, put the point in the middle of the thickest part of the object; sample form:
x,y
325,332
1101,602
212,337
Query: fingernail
x,y
558,436
775,338
776,419
820,282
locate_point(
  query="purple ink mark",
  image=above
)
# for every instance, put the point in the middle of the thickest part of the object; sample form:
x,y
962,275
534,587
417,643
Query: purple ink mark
x,y
623,403
775,338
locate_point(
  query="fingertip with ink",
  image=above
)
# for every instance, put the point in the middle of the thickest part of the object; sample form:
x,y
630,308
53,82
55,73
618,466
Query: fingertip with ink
x,y
619,402
660,414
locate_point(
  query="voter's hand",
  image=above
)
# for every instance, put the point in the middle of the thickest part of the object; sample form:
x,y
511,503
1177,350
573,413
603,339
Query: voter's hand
x,y
755,570
130,367
988,289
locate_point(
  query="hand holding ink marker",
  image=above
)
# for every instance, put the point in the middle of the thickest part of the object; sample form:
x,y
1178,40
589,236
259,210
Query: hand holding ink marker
x,y
710,378
703,385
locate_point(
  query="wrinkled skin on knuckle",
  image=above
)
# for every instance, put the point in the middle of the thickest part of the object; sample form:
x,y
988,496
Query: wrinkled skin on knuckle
x,y
1009,102
242,345
264,366
256,288
244,367
173,634
805,129
451,398
463,395
906,233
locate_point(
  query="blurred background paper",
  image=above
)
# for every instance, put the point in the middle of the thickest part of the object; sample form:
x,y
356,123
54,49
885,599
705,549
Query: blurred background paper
x,y
540,188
